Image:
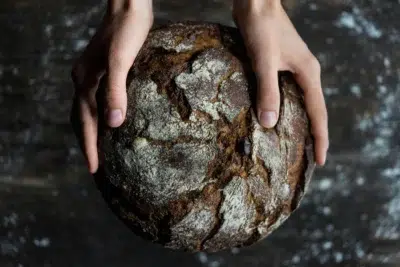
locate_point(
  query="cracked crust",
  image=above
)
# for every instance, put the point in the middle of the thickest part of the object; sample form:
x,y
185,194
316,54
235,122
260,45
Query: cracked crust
x,y
191,168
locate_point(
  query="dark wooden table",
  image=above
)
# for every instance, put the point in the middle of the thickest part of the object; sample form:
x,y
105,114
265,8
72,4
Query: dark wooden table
x,y
51,214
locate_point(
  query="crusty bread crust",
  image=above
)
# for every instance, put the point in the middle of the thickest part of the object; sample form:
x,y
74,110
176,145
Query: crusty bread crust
x,y
191,168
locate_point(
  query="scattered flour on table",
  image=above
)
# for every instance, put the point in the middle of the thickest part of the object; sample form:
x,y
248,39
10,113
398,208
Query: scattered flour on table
x,y
382,123
357,22
388,224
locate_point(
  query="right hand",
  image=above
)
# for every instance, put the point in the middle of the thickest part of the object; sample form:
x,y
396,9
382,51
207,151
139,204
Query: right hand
x,y
112,50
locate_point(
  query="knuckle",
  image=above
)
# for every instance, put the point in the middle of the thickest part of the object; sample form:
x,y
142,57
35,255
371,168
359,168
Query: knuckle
x,y
321,112
313,63
151,19
324,115
148,18
320,130
115,59
322,119
269,101
115,93
269,93
119,59
322,136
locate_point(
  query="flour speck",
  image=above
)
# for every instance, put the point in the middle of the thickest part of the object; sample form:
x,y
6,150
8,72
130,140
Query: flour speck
x,y
202,257
80,44
325,184
356,90
41,242
386,62
327,245
360,181
338,257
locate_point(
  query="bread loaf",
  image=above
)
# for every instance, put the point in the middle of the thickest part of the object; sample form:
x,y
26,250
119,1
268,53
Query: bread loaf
x,y
191,168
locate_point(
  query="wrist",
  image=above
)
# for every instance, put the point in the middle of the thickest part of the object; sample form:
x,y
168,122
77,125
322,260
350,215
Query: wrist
x,y
137,6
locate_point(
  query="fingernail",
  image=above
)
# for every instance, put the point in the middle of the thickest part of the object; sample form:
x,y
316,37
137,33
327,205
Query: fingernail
x,y
114,117
88,166
268,119
323,160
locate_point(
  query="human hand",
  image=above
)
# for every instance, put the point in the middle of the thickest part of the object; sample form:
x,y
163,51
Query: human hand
x,y
113,50
274,45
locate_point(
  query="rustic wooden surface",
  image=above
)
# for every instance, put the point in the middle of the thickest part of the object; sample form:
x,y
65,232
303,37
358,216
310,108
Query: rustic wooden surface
x,y
52,215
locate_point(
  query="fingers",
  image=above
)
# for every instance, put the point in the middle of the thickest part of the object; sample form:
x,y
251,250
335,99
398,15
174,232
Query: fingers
x,y
84,122
309,79
89,132
124,47
86,75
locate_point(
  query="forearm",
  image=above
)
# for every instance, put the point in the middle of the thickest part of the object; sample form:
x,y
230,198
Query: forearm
x,y
140,6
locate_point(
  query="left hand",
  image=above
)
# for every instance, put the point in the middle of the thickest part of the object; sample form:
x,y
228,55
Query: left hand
x,y
274,45
112,50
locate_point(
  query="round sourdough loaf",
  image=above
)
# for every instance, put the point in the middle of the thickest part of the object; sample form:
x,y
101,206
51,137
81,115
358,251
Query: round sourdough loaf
x,y
191,168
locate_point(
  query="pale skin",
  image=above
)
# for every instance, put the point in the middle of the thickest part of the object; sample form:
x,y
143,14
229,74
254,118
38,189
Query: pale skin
x,y
272,43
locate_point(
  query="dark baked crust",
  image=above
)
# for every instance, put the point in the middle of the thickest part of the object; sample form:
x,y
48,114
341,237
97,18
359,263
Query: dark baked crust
x,y
191,168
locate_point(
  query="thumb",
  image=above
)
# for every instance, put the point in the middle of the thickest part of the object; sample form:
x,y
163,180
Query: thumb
x,y
264,55
124,47
268,96
116,99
